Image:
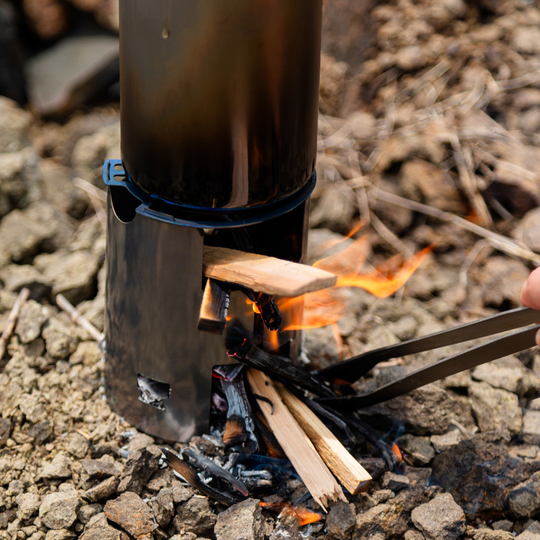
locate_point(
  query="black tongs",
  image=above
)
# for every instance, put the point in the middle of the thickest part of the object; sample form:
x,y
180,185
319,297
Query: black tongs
x,y
351,370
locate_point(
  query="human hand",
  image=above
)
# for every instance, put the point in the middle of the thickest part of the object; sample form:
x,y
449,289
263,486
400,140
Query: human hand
x,y
530,295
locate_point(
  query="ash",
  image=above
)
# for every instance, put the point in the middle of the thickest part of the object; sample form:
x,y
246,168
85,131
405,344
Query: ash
x,y
438,104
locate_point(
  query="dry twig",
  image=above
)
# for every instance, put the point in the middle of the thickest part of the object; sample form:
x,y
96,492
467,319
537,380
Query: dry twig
x,y
12,320
78,318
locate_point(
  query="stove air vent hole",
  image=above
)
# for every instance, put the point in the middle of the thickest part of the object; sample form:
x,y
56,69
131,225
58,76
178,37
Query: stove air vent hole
x,y
124,204
153,392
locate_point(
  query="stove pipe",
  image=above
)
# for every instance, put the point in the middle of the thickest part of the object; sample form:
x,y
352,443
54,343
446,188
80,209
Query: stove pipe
x,y
219,106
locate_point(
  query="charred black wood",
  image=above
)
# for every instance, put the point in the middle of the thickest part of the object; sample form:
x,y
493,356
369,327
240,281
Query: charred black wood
x,y
202,462
190,475
214,307
267,307
240,427
278,367
265,399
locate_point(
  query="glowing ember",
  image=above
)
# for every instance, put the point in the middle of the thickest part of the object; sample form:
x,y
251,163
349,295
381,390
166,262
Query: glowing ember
x,y
397,452
302,515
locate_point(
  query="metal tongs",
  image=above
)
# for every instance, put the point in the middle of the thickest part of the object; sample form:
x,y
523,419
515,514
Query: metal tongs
x,y
351,370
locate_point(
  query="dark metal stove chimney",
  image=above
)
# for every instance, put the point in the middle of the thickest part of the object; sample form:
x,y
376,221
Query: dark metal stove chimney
x,y
219,105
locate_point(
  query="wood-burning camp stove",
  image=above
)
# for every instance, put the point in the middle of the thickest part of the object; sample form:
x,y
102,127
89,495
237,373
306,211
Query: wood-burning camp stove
x,y
219,106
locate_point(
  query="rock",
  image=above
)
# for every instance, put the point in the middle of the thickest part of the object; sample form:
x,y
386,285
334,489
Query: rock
x,y
70,274
377,521
441,443
427,410
394,482
17,276
104,490
195,516
41,432
70,73
14,126
59,467
62,534
31,319
524,499
92,150
487,472
419,449
242,521
502,279
99,529
334,210
5,430
508,373
59,510
140,441
140,466
495,409
488,534
99,468
59,339
28,505
502,525
440,519
531,427
163,507
527,227
413,535
131,513
77,445
341,520
181,493
87,512
526,39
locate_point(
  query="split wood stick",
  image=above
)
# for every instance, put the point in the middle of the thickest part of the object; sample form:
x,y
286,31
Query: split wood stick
x,y
348,471
214,307
265,274
12,320
78,318
295,443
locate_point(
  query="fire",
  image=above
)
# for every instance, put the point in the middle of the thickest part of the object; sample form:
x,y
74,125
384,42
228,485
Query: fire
x,y
301,514
397,452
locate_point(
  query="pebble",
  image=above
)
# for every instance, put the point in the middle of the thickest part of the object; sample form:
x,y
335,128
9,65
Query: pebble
x,y
59,467
440,519
28,505
419,449
163,507
77,445
524,499
15,126
59,510
140,466
394,482
341,519
242,521
88,511
131,513
59,339
195,516
104,490
441,443
99,468
31,319
98,528
531,427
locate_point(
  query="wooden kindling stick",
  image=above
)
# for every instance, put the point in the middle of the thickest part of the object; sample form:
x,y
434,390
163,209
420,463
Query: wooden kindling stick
x,y
347,469
12,320
295,443
78,318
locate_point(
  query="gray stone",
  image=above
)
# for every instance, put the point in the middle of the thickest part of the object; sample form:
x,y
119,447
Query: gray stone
x,y
139,468
440,519
28,505
394,482
88,511
15,126
531,427
93,149
71,274
100,468
488,534
341,519
495,409
195,516
502,525
419,449
59,510
441,443
163,507
31,319
104,490
524,499
77,445
62,534
17,276
140,441
242,521
413,535
131,513
99,529
59,467
59,339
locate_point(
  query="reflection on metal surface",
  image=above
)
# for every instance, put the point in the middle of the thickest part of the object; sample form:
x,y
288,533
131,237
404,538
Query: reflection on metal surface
x,y
219,99
153,392
154,292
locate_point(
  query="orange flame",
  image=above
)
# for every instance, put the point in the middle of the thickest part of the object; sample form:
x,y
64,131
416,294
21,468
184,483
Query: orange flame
x,y
301,514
